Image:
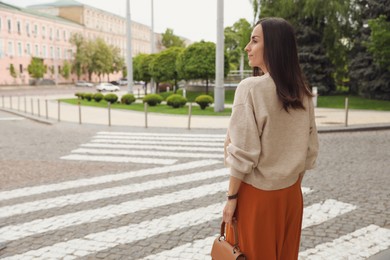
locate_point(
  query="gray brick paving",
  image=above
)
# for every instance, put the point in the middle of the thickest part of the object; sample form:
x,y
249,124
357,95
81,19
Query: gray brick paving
x,y
352,168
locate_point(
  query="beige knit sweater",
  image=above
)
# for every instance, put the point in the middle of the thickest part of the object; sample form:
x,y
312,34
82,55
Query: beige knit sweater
x,y
265,146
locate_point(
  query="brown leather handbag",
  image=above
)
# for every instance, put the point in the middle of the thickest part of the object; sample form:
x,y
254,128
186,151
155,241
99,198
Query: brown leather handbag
x,y
222,250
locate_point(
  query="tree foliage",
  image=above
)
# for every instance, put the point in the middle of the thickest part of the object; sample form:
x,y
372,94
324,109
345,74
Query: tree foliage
x,y
12,71
36,68
163,67
197,61
170,40
66,69
379,41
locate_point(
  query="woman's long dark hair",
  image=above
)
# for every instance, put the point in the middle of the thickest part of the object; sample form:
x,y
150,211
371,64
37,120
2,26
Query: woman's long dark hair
x,y
281,59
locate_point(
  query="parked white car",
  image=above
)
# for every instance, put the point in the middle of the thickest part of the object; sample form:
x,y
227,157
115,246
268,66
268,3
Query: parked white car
x,y
83,83
107,87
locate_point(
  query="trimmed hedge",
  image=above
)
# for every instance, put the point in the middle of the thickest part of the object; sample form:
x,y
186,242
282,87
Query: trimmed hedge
x,y
204,101
98,97
152,99
112,98
88,96
127,99
176,101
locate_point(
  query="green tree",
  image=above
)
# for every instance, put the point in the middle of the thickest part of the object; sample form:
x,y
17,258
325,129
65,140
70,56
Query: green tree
x,y
118,62
367,78
12,71
170,40
236,38
197,61
142,71
36,68
66,69
379,42
78,60
102,58
163,67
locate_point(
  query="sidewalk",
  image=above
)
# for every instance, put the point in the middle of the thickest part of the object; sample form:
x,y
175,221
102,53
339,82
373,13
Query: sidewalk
x,y
327,119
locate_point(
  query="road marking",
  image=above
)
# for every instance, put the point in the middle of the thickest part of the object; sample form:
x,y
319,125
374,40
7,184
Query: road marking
x,y
76,198
162,134
149,153
11,118
95,242
109,141
357,245
28,191
162,138
321,212
13,232
200,249
153,147
122,159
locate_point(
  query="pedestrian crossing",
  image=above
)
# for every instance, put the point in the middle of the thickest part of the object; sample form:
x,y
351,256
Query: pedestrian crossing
x,y
116,212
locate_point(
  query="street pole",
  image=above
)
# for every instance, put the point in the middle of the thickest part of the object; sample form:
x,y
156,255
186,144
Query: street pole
x,y
152,46
129,56
219,90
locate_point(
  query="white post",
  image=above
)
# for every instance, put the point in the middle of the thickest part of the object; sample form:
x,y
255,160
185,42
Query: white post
x,y
315,93
219,93
152,46
129,57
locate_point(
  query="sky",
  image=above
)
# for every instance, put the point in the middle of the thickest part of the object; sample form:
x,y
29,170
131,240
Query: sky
x,y
192,19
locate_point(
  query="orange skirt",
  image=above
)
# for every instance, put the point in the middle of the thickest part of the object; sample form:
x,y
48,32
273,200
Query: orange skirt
x,y
269,222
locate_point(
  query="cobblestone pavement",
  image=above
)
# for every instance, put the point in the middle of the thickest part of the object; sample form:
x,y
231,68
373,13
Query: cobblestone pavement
x,y
94,192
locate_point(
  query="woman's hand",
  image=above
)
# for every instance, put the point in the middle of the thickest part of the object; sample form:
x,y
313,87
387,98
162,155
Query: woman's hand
x,y
229,209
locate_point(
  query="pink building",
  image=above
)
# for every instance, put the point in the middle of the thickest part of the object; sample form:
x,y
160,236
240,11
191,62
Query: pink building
x,y
44,31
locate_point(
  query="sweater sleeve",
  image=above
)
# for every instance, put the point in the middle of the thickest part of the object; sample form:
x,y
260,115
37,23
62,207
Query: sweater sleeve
x,y
312,151
242,147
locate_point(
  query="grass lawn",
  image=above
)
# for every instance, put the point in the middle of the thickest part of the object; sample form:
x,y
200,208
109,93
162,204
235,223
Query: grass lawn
x,y
354,102
162,108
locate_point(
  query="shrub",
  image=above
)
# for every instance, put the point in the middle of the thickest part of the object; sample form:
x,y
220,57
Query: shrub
x,y
88,96
127,99
165,95
112,98
79,95
98,97
176,101
204,101
153,99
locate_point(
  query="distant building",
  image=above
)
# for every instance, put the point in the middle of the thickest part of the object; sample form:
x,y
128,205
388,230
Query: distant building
x,y
44,30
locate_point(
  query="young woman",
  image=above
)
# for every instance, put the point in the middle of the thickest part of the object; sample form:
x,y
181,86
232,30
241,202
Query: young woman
x,y
271,141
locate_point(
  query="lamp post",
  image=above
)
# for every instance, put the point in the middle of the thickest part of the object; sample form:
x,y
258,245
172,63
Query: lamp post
x,y
219,92
129,57
152,45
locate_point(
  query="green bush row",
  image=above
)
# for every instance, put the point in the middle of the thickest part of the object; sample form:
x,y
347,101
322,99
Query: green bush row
x,y
111,97
177,100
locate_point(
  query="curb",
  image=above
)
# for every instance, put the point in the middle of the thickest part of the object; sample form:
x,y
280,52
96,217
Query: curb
x,y
31,117
320,129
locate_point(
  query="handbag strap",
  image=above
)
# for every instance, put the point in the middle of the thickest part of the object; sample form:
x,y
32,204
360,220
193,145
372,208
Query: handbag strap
x,y
234,224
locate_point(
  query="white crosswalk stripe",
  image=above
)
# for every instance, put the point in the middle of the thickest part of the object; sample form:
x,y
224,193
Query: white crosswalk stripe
x,y
149,148
181,184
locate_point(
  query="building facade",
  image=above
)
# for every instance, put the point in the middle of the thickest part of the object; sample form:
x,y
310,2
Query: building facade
x,y
43,31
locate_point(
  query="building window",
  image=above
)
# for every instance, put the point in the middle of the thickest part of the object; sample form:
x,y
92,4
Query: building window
x,y
58,53
9,23
10,48
1,48
51,52
28,49
58,34
43,32
28,29
36,29
18,25
65,36
1,24
51,33
20,50
21,68
36,50
44,54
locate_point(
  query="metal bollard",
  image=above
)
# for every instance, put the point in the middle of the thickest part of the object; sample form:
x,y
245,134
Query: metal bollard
x,y
47,110
39,108
346,112
146,114
10,102
79,112
32,106
109,113
189,115
59,109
